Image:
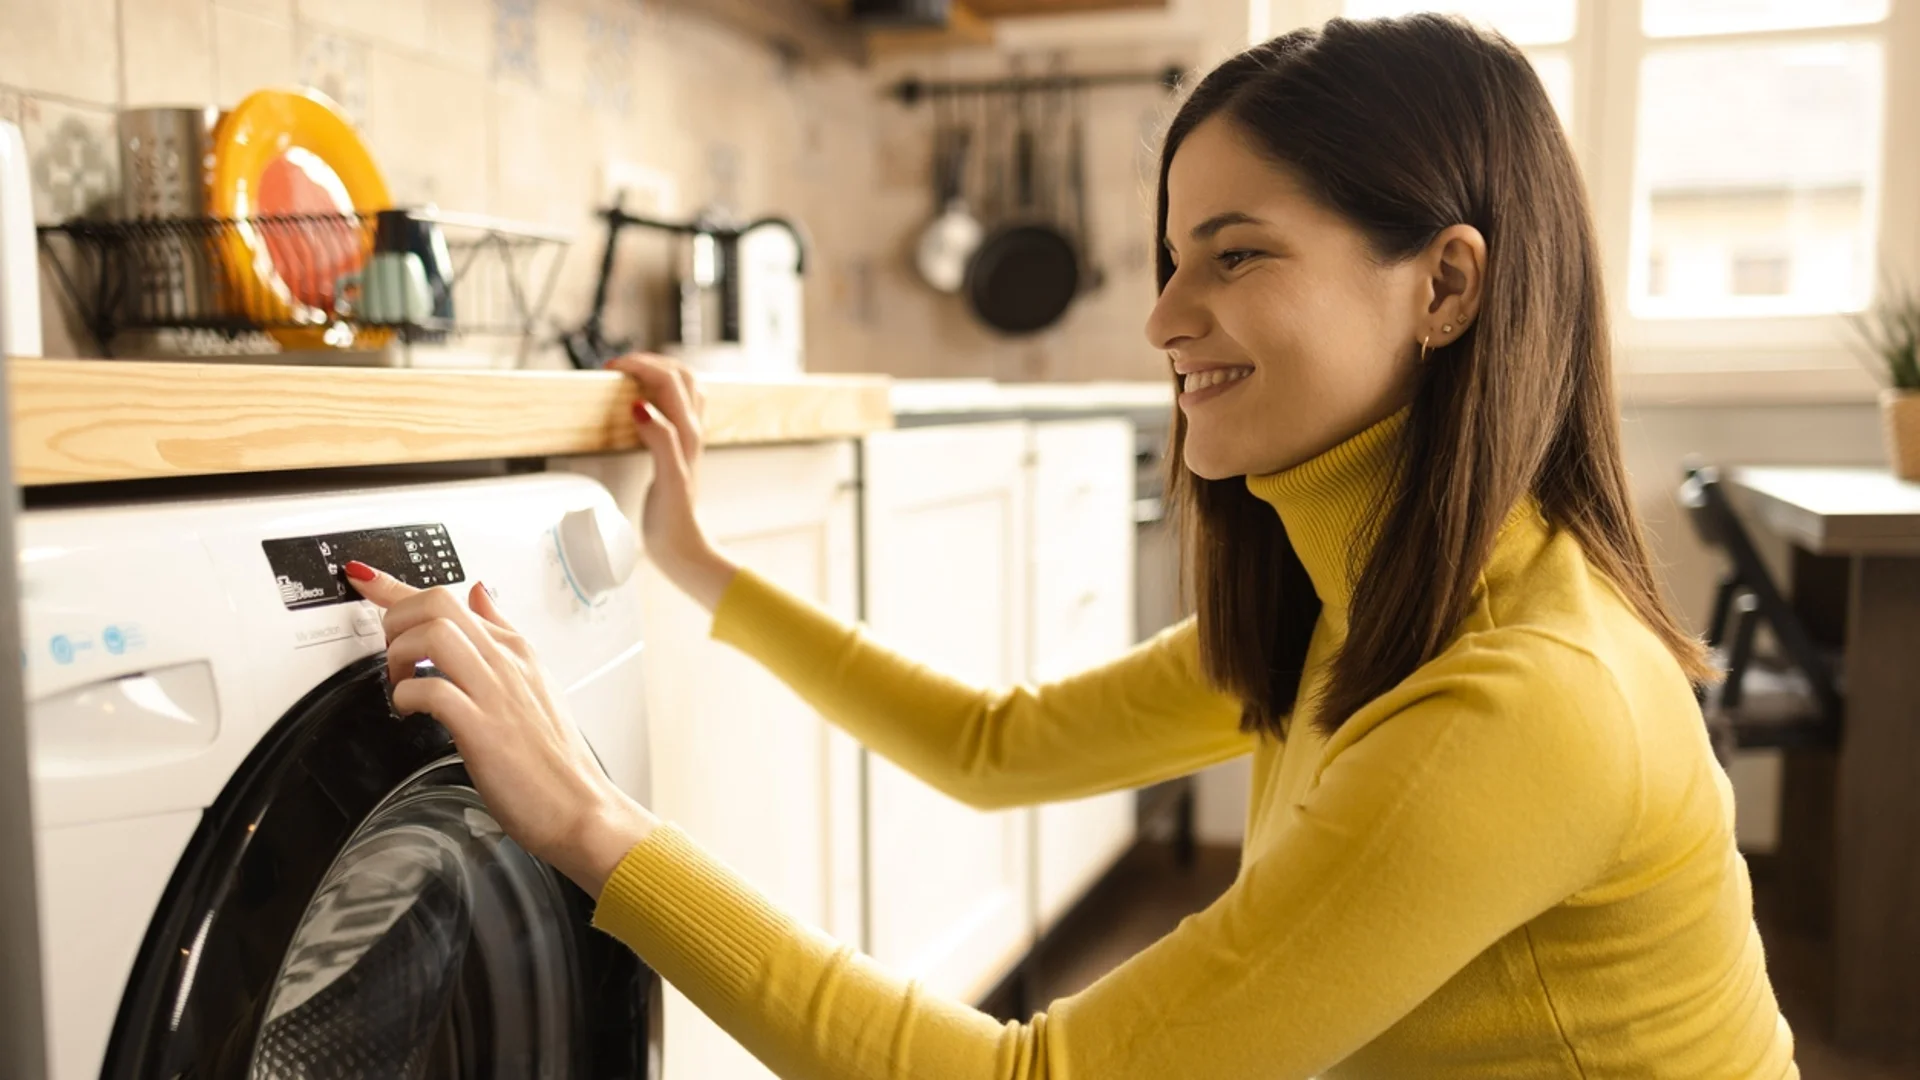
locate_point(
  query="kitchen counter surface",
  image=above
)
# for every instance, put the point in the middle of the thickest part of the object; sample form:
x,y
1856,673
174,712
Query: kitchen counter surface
x,y
920,402
78,421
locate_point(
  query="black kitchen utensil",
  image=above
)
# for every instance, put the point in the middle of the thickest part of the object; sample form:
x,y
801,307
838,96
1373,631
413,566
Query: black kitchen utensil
x,y
1092,275
1027,272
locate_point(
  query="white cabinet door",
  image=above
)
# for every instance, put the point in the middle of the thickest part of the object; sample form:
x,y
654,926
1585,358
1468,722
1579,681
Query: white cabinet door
x,y
1082,612
946,559
742,764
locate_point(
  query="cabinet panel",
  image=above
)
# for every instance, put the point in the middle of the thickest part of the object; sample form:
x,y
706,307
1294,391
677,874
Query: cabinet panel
x,y
740,762
1082,615
946,562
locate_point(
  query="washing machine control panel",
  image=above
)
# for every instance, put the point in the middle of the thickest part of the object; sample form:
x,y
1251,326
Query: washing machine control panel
x,y
310,570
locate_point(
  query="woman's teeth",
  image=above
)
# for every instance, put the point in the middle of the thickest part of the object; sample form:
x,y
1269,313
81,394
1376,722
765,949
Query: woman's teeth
x,y
1200,380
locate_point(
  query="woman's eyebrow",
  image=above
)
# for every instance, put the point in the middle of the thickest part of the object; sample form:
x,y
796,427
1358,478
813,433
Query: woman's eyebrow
x,y
1206,229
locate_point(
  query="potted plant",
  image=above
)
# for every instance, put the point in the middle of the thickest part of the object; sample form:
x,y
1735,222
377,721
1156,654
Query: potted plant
x,y
1891,333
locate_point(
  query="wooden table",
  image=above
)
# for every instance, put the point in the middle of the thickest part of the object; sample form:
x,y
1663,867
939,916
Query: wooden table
x,y
1873,520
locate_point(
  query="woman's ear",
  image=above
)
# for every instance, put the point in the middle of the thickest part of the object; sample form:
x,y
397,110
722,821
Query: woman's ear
x,y
1456,264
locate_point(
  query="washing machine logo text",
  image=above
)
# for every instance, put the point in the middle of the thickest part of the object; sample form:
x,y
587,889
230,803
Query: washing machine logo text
x,y
292,592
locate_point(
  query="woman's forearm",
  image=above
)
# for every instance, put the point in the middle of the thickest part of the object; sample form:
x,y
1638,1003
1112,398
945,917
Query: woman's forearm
x,y
703,575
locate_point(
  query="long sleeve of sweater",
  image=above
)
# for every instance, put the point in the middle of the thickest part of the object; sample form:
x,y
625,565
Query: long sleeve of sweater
x,y
1146,716
1481,804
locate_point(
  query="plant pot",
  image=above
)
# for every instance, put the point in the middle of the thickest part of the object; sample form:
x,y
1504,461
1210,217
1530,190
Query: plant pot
x,y
1900,409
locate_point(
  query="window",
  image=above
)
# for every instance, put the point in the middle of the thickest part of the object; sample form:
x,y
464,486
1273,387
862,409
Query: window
x,y
1770,140
1736,153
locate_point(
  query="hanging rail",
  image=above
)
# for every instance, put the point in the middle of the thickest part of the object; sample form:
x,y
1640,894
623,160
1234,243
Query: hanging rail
x,y
911,91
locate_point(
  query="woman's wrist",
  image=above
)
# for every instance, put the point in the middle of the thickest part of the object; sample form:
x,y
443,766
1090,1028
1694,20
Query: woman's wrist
x,y
602,841
703,575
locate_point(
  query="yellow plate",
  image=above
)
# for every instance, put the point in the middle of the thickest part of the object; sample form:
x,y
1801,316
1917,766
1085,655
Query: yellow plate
x,y
295,152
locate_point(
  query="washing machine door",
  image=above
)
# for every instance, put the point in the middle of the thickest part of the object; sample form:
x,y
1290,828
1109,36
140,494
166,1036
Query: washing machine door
x,y
349,908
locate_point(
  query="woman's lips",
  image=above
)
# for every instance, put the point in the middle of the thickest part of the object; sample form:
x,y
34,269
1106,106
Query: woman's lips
x,y
1200,380
1199,386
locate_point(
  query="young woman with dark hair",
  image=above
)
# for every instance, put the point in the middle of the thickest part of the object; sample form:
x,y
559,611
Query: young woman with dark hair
x,y
1487,835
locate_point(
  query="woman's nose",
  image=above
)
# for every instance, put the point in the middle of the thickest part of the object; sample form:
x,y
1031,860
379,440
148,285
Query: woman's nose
x,y
1175,317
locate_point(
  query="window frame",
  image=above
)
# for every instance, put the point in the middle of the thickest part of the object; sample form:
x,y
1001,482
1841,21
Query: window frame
x,y
1759,359
1745,360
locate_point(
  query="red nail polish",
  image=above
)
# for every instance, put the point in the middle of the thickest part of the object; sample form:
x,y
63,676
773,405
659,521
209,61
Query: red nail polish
x,y
359,571
640,413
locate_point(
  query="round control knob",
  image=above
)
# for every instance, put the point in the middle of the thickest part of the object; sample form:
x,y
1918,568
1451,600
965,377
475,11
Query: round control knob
x,y
599,549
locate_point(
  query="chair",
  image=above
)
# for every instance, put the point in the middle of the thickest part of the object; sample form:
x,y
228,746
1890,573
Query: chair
x,y
1791,701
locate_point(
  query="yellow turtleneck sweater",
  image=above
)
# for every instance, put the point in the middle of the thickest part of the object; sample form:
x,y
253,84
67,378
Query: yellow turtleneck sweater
x,y
1518,863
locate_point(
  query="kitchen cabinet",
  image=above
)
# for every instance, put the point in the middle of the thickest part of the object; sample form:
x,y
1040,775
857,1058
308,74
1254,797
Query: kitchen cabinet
x,y
740,762
946,566
1081,607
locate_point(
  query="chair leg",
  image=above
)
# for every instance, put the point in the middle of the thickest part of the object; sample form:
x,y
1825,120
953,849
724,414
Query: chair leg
x,y
1722,604
1746,622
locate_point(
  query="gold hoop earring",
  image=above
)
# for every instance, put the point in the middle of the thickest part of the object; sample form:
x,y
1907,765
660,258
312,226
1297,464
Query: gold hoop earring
x,y
1425,347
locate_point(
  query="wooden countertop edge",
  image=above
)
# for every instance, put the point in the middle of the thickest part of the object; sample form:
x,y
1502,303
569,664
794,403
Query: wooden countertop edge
x,y
78,421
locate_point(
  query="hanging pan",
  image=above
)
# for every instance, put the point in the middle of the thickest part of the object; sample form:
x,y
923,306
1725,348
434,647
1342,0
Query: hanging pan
x,y
1027,271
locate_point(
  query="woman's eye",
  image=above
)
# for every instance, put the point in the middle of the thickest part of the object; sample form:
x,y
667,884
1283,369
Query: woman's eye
x,y
1231,259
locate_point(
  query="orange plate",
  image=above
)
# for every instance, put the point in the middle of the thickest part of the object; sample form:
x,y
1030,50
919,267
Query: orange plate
x,y
295,152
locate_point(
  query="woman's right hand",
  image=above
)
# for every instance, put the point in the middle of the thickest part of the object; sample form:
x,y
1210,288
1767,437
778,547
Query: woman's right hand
x,y
668,417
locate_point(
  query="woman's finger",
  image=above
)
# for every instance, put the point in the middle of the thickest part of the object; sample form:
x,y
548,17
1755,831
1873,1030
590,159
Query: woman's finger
x,y
426,605
441,700
377,585
661,387
662,441
692,430
451,648
480,599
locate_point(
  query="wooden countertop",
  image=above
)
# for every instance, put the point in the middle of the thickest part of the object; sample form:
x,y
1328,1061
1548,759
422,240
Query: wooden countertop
x,y
930,401
1835,511
78,421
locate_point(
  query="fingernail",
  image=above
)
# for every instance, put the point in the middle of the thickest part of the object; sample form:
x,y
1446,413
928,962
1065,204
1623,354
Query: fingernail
x,y
640,413
360,571
491,595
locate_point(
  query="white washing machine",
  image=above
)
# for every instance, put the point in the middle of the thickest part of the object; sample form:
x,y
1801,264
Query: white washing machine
x,y
248,865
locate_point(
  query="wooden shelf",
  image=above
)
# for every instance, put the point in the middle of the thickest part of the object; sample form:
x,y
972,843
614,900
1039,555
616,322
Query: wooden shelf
x,y
964,29
802,28
1001,9
77,421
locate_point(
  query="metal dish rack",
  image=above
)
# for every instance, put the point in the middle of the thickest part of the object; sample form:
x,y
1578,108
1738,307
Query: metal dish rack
x,y
183,277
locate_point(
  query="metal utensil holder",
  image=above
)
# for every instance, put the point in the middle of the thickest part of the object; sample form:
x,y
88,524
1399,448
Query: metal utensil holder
x,y
184,274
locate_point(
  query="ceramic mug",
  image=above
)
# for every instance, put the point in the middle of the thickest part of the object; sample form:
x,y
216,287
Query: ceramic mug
x,y
391,289
418,232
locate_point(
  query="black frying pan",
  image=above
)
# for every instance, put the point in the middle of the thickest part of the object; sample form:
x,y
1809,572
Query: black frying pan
x,y
1027,272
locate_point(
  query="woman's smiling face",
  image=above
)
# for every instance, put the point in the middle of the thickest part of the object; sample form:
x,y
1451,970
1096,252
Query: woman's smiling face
x,y
1289,334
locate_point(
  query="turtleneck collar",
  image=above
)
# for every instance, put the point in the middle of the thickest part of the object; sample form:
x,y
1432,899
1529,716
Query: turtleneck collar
x,y
1326,502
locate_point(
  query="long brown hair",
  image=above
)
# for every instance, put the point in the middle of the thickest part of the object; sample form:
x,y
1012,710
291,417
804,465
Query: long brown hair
x,y
1405,127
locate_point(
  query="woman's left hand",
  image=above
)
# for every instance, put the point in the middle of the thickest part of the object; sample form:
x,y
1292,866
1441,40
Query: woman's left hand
x,y
527,758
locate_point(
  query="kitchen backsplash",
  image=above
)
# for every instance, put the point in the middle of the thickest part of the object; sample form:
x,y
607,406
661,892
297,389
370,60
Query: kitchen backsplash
x,y
518,107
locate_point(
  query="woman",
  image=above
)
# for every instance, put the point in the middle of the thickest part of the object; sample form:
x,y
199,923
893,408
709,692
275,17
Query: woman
x,y
1487,836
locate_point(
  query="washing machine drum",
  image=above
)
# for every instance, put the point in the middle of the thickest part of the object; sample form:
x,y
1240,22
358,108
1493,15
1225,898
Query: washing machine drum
x,y
350,909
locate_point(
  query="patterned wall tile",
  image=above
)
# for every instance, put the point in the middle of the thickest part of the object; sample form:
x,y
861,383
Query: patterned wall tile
x,y
168,52
337,67
400,23
265,9
516,46
70,48
251,53
461,33
610,37
74,157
